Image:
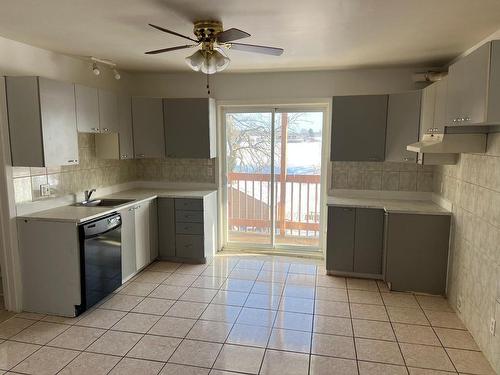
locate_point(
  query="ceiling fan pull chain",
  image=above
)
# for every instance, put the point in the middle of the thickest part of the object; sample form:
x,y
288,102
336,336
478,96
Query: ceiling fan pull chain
x,y
208,84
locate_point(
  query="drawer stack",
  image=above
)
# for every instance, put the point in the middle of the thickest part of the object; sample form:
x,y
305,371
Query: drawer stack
x,y
189,241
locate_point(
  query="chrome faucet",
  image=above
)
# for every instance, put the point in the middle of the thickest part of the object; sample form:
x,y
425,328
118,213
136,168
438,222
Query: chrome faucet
x,y
88,194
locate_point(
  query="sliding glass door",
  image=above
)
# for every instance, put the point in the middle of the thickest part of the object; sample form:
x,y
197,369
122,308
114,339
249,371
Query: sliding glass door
x,y
273,168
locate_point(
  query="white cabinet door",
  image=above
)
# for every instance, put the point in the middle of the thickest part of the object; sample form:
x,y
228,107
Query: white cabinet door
x,y
441,88
125,127
142,234
87,109
129,266
153,230
427,110
147,122
108,112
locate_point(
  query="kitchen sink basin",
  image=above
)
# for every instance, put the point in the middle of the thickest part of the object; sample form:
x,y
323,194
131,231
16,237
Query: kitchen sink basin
x,y
103,203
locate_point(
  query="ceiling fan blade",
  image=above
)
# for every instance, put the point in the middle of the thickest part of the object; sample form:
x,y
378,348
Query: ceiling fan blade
x,y
172,32
231,34
257,49
169,49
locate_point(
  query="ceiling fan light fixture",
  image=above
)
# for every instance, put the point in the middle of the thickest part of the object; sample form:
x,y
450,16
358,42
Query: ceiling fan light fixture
x,y
196,60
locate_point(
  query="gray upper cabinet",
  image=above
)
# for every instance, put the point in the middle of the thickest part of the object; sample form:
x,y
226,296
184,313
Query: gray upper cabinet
x,y
403,122
474,88
147,122
190,128
87,109
42,122
125,127
108,112
358,128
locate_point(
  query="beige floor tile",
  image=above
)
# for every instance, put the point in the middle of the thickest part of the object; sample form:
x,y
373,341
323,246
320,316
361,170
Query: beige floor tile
x,y
249,335
121,302
77,338
261,287
407,315
163,266
90,363
308,269
217,271
332,366
196,353
300,279
191,269
238,285
224,297
114,343
138,289
180,280
414,334
333,346
40,333
46,361
154,348
330,308
278,362
299,305
296,321
331,281
456,339
11,353
362,284
30,315
382,286
423,371
370,368
132,366
240,359
434,303
134,322
13,326
256,317
363,296
168,291
378,351
222,372
470,362
444,319
400,300
221,313
263,301
198,295
424,356
295,341
332,325
331,294
244,274
174,369
371,312
154,306
210,331
208,282
370,329
276,267
152,277
62,319
171,326
292,290
101,318
187,309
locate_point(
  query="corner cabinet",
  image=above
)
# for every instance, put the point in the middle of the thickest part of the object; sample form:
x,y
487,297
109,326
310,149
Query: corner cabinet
x,y
147,123
190,128
42,122
358,128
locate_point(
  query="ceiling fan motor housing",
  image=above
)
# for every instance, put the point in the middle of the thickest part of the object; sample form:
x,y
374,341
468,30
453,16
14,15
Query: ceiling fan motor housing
x,y
206,31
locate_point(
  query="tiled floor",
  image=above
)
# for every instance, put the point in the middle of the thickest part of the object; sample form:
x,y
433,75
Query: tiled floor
x,y
250,315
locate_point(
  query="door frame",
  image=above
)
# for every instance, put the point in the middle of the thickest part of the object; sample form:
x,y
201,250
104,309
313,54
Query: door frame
x,y
312,104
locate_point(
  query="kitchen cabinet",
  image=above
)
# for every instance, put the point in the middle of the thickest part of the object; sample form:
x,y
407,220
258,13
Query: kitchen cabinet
x,y
358,128
433,109
42,122
129,266
417,252
145,233
166,226
147,123
474,88
87,109
403,122
185,117
355,241
108,112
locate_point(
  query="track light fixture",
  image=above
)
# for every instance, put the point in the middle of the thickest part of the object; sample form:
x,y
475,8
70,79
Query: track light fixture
x,y
110,64
95,69
116,74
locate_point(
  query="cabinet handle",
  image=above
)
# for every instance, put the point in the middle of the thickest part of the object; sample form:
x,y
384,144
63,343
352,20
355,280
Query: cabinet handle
x,y
455,120
467,119
140,155
406,159
95,129
124,156
131,209
106,129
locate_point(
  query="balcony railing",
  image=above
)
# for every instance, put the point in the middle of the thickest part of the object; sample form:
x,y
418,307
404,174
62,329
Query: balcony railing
x,y
297,204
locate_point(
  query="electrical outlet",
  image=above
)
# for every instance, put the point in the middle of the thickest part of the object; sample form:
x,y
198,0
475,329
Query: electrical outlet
x,y
493,326
45,190
459,303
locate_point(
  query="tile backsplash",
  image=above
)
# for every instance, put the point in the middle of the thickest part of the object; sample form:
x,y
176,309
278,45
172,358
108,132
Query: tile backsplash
x,y
473,187
177,170
387,176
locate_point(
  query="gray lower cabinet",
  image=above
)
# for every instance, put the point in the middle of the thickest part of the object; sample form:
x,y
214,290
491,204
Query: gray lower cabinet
x,y
166,227
416,249
147,123
355,240
358,128
42,122
129,266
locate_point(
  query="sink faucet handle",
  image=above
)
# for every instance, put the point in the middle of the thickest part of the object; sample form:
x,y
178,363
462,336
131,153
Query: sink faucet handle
x,y
88,194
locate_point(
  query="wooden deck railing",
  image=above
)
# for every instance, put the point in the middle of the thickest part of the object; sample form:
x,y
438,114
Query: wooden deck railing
x,y
297,204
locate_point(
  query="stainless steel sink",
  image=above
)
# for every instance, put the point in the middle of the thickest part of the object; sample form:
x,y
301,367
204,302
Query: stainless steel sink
x,y
103,203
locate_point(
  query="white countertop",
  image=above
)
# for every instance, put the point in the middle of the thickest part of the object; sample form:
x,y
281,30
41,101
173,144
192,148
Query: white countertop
x,y
80,214
425,207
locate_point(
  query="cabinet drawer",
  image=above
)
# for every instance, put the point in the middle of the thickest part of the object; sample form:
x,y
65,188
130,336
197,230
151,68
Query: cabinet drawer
x,y
188,216
189,246
188,228
189,204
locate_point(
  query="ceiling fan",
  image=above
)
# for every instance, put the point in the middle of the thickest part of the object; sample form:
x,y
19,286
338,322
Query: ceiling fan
x,y
211,39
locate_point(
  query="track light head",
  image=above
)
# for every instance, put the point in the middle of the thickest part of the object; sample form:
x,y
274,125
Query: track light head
x,y
95,69
116,74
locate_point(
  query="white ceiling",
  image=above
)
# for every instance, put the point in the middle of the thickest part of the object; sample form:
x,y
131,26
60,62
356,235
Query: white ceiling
x,y
316,34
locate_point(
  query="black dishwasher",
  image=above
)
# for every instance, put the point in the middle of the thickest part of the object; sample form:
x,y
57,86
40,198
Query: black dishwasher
x,y
100,259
